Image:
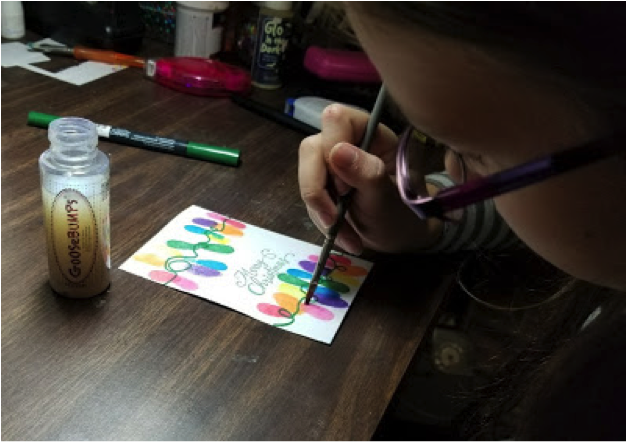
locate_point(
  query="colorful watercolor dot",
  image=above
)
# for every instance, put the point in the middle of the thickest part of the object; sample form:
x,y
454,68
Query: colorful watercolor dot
x,y
355,271
335,285
287,302
195,229
272,310
292,290
299,274
204,271
229,221
292,280
333,261
230,230
318,312
218,266
150,259
347,280
178,244
165,277
216,247
310,267
335,302
205,222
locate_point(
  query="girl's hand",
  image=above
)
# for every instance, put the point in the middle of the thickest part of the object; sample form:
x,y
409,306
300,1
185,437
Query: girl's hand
x,y
330,163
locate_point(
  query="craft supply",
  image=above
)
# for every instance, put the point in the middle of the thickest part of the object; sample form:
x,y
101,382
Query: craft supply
x,y
12,20
216,154
198,76
274,30
191,75
274,115
75,192
309,109
199,28
83,53
344,200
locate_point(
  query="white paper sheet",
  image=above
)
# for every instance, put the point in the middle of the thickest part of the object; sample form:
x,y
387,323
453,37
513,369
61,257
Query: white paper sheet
x,y
79,75
255,271
17,54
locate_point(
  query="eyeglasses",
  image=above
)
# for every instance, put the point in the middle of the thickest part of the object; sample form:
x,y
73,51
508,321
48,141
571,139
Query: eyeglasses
x,y
410,172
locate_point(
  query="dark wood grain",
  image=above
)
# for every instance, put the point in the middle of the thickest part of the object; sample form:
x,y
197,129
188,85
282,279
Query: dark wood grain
x,y
146,362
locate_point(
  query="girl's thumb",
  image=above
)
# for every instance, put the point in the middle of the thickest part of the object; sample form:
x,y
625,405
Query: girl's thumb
x,y
354,167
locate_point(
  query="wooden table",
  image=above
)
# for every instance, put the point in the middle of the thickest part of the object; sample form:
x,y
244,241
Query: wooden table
x,y
146,362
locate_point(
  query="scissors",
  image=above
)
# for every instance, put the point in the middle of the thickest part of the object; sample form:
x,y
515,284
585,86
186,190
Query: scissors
x,y
344,200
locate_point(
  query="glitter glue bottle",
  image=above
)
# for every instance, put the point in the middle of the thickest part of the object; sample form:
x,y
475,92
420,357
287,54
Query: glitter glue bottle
x,y
75,191
274,30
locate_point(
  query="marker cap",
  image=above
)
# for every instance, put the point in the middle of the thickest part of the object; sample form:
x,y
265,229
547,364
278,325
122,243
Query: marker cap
x,y
227,156
40,119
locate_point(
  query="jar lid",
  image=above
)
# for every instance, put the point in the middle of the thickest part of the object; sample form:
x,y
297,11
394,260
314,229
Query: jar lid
x,y
206,6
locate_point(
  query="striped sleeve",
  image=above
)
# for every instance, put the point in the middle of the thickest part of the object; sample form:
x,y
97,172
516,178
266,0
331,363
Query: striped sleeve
x,y
478,226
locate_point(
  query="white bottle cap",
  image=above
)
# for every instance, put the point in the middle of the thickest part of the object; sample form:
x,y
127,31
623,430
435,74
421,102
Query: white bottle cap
x,y
206,6
12,20
278,6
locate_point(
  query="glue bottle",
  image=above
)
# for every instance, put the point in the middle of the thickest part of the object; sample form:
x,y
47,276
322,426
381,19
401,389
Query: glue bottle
x,y
75,192
274,29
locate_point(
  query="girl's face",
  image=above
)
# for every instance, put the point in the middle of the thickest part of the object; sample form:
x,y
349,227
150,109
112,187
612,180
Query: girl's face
x,y
499,115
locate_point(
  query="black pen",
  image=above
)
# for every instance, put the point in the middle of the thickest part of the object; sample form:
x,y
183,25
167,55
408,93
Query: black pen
x,y
344,200
274,115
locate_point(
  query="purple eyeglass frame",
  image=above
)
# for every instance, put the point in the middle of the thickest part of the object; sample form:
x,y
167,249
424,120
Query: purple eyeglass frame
x,y
483,188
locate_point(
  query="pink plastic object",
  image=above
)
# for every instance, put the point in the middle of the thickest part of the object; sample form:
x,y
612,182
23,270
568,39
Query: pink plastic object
x,y
199,76
339,65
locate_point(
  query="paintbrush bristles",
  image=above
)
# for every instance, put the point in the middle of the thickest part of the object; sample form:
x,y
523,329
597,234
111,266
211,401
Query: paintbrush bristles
x,y
310,292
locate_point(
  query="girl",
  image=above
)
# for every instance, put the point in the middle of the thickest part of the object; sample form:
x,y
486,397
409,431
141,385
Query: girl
x,y
500,84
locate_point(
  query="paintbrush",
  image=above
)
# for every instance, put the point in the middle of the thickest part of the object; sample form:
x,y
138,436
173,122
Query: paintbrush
x,y
344,200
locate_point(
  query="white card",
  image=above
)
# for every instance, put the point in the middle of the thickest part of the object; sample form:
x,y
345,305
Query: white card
x,y
257,272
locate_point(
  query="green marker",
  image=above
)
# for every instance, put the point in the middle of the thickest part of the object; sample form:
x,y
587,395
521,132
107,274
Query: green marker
x,y
200,151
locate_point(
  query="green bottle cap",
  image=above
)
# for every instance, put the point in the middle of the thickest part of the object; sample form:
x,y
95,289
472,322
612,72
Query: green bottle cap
x,y
40,119
227,156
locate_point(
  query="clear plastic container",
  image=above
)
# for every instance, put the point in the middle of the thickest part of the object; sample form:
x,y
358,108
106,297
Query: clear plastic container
x,y
75,193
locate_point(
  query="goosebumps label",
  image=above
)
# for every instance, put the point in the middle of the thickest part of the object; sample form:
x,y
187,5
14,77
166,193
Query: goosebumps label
x,y
74,235
78,265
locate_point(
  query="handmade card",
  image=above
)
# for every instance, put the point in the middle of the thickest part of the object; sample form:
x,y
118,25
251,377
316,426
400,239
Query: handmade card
x,y
254,271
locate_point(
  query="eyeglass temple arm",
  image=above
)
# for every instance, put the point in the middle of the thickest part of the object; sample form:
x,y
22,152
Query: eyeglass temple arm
x,y
515,178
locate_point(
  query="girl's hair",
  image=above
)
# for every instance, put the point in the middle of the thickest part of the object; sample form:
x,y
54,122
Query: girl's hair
x,y
546,347
579,47
581,43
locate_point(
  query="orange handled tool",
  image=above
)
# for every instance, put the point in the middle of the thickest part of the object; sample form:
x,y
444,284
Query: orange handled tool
x,y
115,58
97,55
